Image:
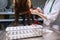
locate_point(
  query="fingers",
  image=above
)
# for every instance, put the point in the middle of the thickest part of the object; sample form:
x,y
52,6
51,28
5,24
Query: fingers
x,y
39,9
36,11
32,11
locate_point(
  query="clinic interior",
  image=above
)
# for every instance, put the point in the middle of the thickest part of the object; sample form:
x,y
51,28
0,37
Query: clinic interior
x,y
30,26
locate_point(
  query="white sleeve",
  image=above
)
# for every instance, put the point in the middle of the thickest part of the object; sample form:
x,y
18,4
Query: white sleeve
x,y
53,15
46,2
51,18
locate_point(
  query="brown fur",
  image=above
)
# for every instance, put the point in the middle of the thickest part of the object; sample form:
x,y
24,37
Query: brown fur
x,y
21,6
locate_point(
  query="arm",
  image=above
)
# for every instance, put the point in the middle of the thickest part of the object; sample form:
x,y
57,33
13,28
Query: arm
x,y
38,12
42,15
53,15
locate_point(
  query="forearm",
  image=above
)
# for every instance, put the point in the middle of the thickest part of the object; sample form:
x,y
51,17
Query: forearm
x,y
41,15
37,12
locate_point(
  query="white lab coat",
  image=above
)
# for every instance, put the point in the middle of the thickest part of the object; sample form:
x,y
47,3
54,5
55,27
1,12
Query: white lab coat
x,y
54,16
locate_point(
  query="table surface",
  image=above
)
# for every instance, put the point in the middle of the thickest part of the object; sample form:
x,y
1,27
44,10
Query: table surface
x,y
46,36
24,31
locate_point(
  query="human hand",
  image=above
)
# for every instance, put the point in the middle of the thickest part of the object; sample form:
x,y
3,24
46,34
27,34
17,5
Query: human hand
x,y
33,11
36,11
39,10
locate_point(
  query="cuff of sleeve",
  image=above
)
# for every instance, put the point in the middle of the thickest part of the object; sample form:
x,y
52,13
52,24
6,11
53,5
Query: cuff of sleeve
x,y
48,21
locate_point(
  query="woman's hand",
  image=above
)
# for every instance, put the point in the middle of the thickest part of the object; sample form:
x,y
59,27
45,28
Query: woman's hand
x,y
36,11
33,11
39,10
